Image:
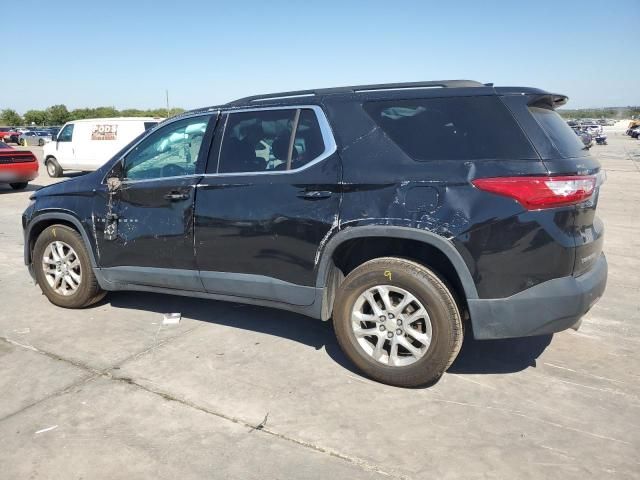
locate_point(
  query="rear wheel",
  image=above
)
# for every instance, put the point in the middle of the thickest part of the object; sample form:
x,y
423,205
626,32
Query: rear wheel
x,y
19,185
53,167
63,268
398,322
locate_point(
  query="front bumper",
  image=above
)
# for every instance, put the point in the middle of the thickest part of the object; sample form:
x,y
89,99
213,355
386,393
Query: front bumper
x,y
546,308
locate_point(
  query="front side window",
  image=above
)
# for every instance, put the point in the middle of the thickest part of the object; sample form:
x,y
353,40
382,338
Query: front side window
x,y
66,134
169,152
453,128
270,140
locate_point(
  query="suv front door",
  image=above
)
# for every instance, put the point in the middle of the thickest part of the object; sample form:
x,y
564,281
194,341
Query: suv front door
x,y
267,202
145,223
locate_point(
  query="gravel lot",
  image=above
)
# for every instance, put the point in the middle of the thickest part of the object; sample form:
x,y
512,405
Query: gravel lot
x,y
109,392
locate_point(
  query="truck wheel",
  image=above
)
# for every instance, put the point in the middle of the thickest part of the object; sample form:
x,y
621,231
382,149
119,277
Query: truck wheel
x,y
63,269
53,167
19,185
397,322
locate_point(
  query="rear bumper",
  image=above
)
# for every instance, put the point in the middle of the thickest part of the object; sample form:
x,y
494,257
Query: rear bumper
x,y
18,172
546,308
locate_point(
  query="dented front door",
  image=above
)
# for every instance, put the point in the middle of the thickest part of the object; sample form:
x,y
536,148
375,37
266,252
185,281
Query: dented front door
x,y
145,221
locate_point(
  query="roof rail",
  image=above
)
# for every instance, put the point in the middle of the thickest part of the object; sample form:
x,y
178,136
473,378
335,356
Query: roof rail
x,y
356,89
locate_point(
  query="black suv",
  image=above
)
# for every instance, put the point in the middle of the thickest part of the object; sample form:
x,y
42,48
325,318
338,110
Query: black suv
x,y
408,213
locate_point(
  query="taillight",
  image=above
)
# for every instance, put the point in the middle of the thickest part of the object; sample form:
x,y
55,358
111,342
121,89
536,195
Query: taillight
x,y
541,192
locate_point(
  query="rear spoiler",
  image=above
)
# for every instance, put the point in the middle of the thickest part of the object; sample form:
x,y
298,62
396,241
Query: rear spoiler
x,y
550,100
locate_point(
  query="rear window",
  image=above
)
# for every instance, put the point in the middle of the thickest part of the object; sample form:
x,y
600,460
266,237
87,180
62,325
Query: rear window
x,y
559,133
453,128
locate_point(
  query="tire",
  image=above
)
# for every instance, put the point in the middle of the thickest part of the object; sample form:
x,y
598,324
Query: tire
x,y
398,275
19,185
88,291
53,167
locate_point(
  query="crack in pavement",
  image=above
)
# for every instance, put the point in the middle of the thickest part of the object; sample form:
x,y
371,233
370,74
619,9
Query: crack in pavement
x,y
109,374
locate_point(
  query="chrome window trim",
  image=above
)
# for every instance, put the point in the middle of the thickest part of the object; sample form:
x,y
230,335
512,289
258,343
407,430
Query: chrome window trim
x,y
330,146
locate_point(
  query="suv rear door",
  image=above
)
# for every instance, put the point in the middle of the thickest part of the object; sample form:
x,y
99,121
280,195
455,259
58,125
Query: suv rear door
x,y
269,198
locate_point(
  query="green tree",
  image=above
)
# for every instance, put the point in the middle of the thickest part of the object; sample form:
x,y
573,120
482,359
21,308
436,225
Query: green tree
x,y
10,117
58,114
81,113
39,117
106,112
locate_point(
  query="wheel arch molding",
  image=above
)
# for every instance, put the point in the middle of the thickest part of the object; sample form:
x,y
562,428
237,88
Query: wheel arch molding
x,y
39,222
445,247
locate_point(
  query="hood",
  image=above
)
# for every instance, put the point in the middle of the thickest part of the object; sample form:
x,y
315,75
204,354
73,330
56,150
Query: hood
x,y
76,185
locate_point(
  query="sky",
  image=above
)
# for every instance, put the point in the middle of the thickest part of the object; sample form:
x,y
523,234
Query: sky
x,y
127,53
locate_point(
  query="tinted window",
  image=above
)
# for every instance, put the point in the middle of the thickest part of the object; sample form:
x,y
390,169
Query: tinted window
x,y
261,141
454,128
308,143
169,152
66,134
559,133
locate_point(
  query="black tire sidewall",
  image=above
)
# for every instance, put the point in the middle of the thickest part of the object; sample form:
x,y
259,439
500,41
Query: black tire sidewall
x,y
405,275
56,167
85,292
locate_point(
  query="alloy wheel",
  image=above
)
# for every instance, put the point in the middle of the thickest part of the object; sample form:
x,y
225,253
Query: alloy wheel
x,y
62,268
391,325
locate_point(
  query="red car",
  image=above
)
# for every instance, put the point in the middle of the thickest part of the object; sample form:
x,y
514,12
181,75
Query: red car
x,y
17,167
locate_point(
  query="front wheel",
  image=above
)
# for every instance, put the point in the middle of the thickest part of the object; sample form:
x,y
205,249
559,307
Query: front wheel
x,y
397,322
53,167
63,268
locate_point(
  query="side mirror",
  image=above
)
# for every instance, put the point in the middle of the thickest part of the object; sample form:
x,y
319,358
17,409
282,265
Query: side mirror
x,y
114,180
113,184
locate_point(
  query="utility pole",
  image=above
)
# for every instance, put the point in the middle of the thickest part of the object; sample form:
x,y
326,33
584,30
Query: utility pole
x,y
167,94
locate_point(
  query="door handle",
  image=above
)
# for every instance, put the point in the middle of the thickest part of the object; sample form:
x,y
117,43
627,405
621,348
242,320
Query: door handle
x,y
175,196
314,194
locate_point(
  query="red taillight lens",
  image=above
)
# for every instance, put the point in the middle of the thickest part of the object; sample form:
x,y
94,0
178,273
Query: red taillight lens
x,y
541,192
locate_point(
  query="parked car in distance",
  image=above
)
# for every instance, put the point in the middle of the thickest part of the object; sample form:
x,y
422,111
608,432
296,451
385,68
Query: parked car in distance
x,y
34,137
410,214
5,133
586,138
592,129
87,144
17,167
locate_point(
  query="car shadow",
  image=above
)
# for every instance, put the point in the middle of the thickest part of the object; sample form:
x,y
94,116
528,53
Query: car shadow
x,y
31,187
477,357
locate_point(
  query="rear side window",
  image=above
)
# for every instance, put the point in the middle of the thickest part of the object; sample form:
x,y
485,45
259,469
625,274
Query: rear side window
x,y
270,140
453,128
559,133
